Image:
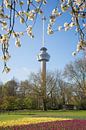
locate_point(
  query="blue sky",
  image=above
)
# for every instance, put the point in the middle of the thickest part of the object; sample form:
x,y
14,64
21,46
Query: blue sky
x,y
60,46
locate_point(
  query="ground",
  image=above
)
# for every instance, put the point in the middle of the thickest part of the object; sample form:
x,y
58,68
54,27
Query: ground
x,y
43,120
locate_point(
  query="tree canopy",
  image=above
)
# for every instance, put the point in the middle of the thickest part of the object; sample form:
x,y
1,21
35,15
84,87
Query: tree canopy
x,y
63,88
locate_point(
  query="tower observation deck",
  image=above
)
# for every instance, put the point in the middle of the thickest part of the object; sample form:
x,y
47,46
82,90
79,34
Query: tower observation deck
x,y
43,55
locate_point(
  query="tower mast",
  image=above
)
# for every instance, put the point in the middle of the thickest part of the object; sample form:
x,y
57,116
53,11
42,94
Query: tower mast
x,y
43,57
43,36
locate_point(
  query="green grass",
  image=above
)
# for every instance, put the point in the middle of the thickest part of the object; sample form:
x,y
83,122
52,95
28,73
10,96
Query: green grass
x,y
62,114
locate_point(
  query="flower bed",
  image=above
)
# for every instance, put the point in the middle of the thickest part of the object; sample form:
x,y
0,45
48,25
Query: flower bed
x,y
54,125
25,121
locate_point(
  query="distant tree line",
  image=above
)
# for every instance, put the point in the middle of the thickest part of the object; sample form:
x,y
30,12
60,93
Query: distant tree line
x,y
65,89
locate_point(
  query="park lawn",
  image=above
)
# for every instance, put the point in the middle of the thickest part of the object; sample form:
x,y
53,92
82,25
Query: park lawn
x,y
39,114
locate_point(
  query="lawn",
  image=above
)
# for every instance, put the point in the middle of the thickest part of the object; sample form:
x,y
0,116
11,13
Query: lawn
x,y
55,114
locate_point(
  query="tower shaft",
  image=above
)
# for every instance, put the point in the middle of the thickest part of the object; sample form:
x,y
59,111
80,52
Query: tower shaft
x,y
43,70
43,57
43,82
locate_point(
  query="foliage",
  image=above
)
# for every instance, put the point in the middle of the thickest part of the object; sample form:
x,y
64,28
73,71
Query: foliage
x,y
65,89
12,11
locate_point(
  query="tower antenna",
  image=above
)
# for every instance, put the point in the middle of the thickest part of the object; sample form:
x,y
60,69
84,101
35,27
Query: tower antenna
x,y
43,36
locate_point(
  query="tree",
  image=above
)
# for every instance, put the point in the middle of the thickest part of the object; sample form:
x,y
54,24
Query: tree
x,y
25,92
66,88
8,95
25,88
37,90
27,10
1,94
10,88
59,91
76,73
53,89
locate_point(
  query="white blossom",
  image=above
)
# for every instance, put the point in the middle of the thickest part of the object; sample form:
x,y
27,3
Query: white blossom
x,y
64,7
73,19
6,69
72,24
69,1
29,1
59,28
44,2
81,44
16,35
78,2
84,25
39,11
66,28
4,39
82,15
1,15
49,30
66,24
79,47
74,53
29,32
52,19
31,15
17,43
55,12
4,24
5,57
82,7
6,2
38,1
22,20
49,26
21,33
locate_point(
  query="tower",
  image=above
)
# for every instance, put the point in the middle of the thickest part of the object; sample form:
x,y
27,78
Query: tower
x,y
43,57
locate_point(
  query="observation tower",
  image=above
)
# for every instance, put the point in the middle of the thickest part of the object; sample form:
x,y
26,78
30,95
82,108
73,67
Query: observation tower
x,y
43,57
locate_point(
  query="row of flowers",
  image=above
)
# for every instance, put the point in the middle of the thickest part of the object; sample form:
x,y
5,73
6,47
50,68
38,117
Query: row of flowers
x,y
26,121
54,125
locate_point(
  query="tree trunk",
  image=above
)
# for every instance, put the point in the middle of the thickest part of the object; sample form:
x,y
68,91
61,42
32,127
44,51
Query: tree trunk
x,y
44,105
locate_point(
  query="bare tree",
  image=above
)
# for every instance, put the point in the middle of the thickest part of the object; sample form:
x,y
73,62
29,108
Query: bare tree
x,y
76,73
35,80
58,91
